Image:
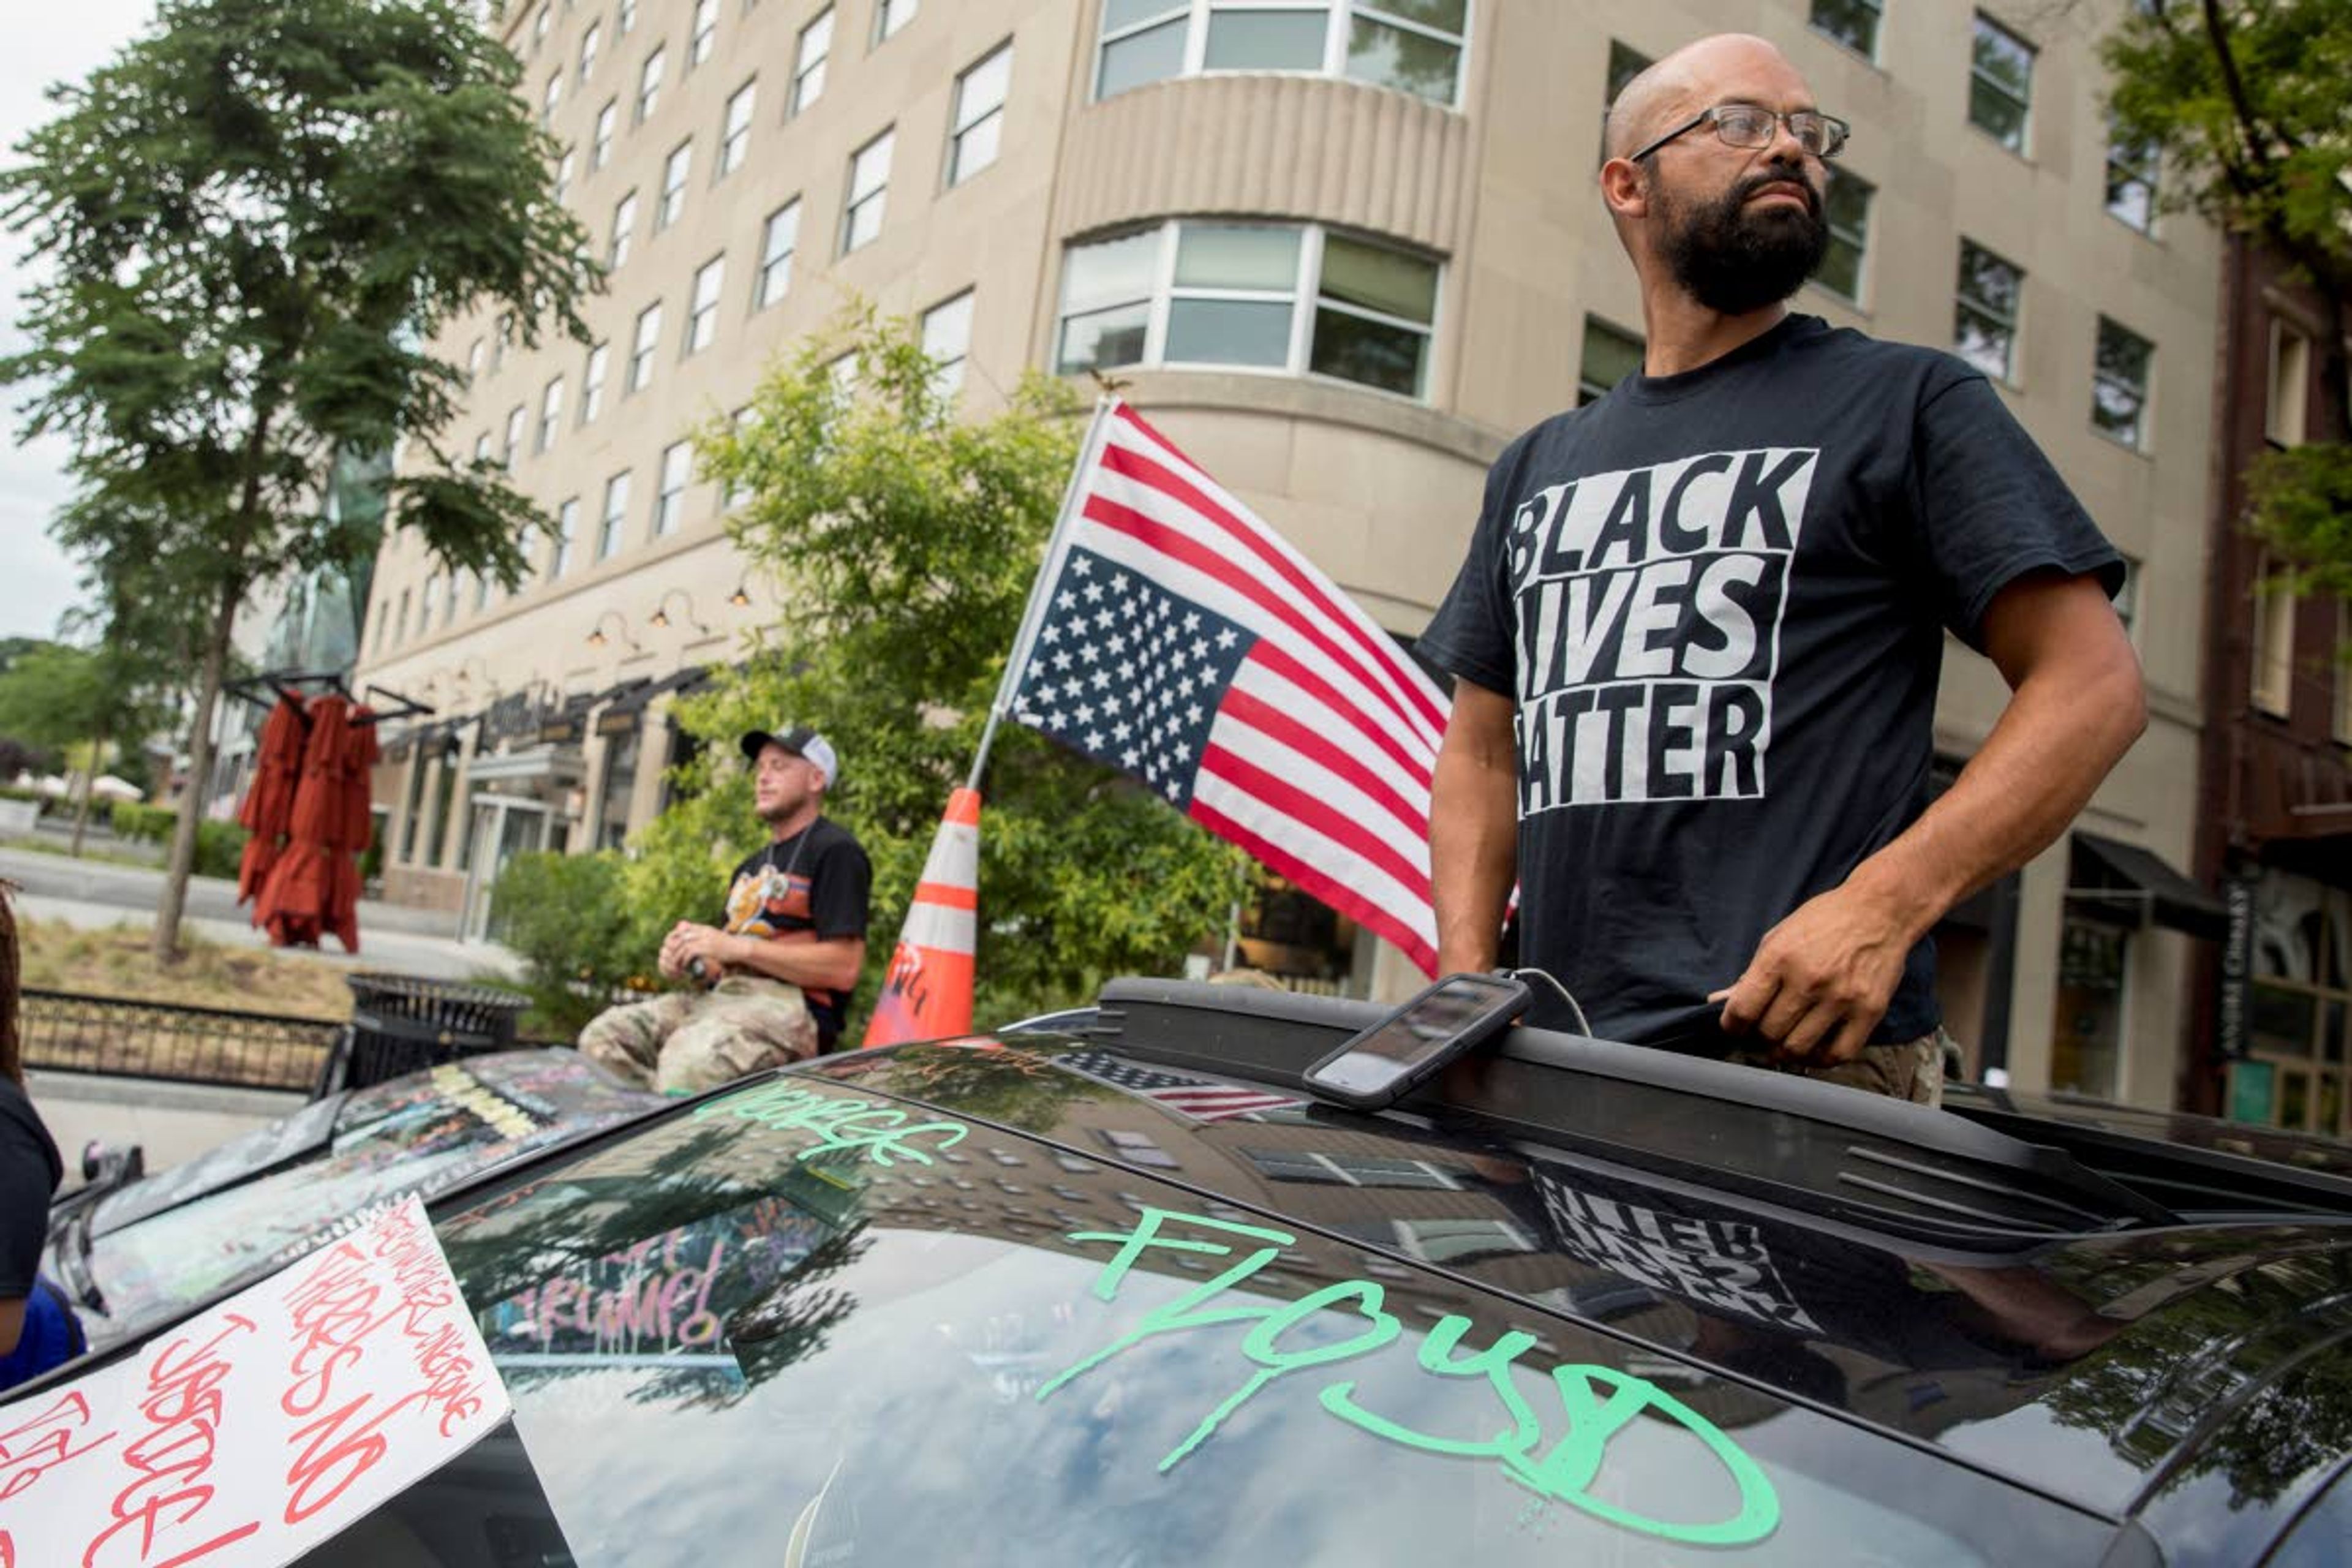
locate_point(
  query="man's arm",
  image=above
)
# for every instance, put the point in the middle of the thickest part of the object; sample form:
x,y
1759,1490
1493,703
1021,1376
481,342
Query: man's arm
x,y
830,962
1820,980
1473,827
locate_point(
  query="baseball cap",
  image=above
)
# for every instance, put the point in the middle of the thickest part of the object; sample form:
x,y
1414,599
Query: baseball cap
x,y
802,741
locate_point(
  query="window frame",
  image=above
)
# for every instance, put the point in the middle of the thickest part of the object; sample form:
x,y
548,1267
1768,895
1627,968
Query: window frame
x,y
518,425
2130,164
1305,295
960,126
807,70
645,348
735,129
649,83
551,413
703,33
563,537
885,11
623,235
669,498
2012,320
2269,684
1835,175
600,142
592,43
701,312
1878,9
770,262
854,202
948,375
613,524
1980,26
1195,17
592,371
1589,390
2138,441
677,173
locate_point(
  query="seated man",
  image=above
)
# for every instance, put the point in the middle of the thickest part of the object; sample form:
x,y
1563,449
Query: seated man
x,y
771,983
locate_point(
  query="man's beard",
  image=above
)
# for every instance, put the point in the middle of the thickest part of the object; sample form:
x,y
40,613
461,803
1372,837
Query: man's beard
x,y
1734,260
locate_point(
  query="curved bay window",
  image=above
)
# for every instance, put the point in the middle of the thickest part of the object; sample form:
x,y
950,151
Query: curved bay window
x,y
1412,45
1297,300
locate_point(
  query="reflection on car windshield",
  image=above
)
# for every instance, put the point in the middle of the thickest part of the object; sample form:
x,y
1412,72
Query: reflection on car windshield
x,y
763,1331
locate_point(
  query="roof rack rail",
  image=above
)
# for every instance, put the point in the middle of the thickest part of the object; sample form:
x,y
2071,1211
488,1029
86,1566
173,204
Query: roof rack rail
x,y
1807,1145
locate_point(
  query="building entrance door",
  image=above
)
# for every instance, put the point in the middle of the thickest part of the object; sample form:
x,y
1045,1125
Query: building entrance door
x,y
503,827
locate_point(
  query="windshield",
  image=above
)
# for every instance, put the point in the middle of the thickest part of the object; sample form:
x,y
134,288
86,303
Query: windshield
x,y
795,1325
421,1133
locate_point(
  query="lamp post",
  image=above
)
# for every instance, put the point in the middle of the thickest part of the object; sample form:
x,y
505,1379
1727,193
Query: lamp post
x,y
660,618
596,637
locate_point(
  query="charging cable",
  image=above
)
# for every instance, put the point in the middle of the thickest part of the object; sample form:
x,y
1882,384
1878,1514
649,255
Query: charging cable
x,y
1553,981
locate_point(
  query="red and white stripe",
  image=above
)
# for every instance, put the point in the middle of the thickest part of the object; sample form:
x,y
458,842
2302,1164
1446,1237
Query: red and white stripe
x,y
1320,757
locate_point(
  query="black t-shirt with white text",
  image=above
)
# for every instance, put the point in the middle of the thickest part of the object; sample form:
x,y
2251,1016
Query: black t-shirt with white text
x,y
1718,600
815,885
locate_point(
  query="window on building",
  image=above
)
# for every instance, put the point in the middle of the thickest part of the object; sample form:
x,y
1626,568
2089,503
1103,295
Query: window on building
x,y
702,311
782,233
616,515
738,492
1232,298
539,24
641,350
2119,384
735,134
1984,328
474,359
567,537
449,605
649,81
2298,1007
2131,180
1459,1240
869,184
516,419
502,337
425,604
600,148
1412,45
947,340
626,19
892,15
400,622
2272,686
564,166
549,98
703,37
1625,63
669,501
1611,354
1354,1170
590,42
675,169
625,229
979,121
592,382
2285,420
2086,1027
481,449
808,63
1854,23
1845,206
2001,83
551,413
481,593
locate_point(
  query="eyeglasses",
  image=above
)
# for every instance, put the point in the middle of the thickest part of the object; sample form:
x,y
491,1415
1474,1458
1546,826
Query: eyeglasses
x,y
1747,125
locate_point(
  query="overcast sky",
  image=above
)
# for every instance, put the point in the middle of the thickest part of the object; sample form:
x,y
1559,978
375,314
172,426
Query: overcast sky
x,y
40,583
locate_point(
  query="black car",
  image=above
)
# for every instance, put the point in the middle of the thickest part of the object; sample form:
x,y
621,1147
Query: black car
x,y
1129,1294
135,1251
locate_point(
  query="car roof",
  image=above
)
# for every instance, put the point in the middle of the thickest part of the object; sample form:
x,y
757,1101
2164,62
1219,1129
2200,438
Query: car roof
x,y
2111,1319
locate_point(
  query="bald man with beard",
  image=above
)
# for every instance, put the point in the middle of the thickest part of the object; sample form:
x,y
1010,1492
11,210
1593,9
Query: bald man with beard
x,y
1700,626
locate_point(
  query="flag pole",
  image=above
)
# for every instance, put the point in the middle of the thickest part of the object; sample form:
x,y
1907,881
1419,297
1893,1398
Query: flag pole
x,y
1057,549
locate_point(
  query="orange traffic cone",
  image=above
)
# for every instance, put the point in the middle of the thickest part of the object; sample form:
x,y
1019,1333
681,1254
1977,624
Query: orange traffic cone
x,y
926,995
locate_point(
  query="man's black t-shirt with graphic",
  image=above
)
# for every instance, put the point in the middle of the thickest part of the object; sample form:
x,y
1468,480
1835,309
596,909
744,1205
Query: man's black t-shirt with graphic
x,y
815,885
1719,600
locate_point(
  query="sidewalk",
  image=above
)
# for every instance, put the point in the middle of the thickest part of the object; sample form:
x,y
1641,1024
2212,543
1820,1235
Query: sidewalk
x,y
392,937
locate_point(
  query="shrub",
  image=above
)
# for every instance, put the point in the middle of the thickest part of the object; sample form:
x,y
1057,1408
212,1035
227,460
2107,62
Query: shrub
x,y
568,917
219,845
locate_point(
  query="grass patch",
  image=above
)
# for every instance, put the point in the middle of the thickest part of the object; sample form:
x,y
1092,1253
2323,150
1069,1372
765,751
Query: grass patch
x,y
114,962
105,852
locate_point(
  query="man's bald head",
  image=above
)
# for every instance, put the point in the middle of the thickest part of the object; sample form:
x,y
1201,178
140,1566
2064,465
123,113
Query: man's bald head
x,y
1698,76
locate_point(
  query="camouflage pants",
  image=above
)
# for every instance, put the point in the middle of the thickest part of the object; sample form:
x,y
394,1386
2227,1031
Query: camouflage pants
x,y
1909,1070
687,1041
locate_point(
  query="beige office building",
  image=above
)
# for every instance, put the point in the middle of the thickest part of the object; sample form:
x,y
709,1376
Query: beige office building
x,y
1345,250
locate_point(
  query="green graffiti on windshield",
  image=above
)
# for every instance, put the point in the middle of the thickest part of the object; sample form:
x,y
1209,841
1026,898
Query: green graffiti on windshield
x,y
1597,1402
885,1134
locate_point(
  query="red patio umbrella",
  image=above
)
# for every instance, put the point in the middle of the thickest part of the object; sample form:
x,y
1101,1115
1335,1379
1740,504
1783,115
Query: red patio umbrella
x,y
268,805
313,889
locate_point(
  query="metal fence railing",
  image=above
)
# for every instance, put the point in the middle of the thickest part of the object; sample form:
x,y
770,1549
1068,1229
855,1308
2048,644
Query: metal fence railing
x,y
65,1032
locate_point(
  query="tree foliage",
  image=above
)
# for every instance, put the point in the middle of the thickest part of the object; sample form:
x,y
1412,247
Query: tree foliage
x,y
2245,101
250,225
905,541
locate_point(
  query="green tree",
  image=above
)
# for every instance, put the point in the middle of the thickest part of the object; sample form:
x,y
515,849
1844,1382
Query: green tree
x,y
252,222
78,703
905,541
2245,101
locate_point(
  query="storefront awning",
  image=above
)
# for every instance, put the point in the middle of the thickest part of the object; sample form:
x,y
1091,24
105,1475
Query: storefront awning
x,y
638,694
2170,898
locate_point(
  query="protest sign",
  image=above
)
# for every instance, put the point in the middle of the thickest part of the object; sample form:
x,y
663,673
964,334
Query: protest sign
x,y
254,1431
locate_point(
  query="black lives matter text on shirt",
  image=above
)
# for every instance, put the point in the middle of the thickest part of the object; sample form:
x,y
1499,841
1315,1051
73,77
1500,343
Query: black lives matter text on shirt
x,y
1719,600
1649,603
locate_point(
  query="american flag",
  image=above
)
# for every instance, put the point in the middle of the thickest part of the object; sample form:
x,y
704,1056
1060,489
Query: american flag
x,y
1186,643
1187,1094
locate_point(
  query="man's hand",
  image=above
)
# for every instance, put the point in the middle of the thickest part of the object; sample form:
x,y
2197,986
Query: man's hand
x,y
688,941
1820,980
